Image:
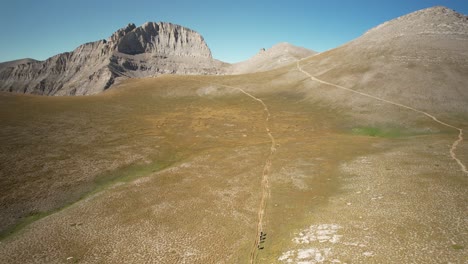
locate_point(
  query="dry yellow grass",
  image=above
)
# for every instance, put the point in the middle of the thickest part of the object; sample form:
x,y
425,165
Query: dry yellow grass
x,y
170,171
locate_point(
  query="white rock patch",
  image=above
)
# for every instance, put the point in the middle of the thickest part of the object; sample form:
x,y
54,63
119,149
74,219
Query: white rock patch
x,y
322,233
315,245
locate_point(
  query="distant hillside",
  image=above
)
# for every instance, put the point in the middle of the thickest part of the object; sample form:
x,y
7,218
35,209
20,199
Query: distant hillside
x,y
420,59
279,55
15,63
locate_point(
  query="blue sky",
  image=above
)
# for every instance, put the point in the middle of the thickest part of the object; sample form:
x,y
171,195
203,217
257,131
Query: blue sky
x,y
234,30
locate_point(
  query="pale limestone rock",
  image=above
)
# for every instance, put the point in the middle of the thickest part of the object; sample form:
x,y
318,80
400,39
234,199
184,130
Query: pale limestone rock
x,y
149,50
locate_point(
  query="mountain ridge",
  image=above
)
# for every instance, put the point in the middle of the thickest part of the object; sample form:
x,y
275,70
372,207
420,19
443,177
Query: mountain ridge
x,y
159,48
145,51
407,60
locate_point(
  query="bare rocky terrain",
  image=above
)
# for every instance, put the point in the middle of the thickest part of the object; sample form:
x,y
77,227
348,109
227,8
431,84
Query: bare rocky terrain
x,y
149,50
354,155
419,59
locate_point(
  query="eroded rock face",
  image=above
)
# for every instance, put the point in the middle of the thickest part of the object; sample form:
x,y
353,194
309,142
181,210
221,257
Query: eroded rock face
x,y
163,39
148,50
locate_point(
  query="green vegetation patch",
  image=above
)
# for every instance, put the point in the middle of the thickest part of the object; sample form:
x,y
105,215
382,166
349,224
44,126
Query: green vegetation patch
x,y
127,174
457,247
103,181
25,221
379,132
390,132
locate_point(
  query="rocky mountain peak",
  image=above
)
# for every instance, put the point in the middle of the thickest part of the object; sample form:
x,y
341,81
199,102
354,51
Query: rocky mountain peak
x,y
160,39
121,32
148,50
433,16
436,11
434,20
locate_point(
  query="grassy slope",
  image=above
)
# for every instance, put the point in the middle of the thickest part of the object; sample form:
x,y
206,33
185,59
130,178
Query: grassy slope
x,y
173,167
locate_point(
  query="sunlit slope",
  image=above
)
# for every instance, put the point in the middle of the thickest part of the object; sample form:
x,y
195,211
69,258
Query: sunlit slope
x,y
54,150
211,146
419,59
277,56
177,171
169,169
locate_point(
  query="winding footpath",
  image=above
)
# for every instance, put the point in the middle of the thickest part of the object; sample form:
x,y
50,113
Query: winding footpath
x,y
265,179
265,184
454,145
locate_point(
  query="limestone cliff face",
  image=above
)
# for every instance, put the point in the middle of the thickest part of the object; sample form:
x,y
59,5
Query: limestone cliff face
x,y
149,50
83,71
163,39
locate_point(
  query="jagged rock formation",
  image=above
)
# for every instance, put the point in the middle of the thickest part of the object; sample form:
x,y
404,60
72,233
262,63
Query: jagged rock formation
x,y
279,55
148,50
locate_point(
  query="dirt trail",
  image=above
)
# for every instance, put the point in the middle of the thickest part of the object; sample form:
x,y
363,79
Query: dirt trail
x,y
265,184
265,181
454,145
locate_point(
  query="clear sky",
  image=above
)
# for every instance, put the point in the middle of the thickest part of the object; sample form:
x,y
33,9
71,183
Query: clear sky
x,y
234,30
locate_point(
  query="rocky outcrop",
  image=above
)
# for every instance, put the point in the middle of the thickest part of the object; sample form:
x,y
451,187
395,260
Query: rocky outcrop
x,y
161,39
148,50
